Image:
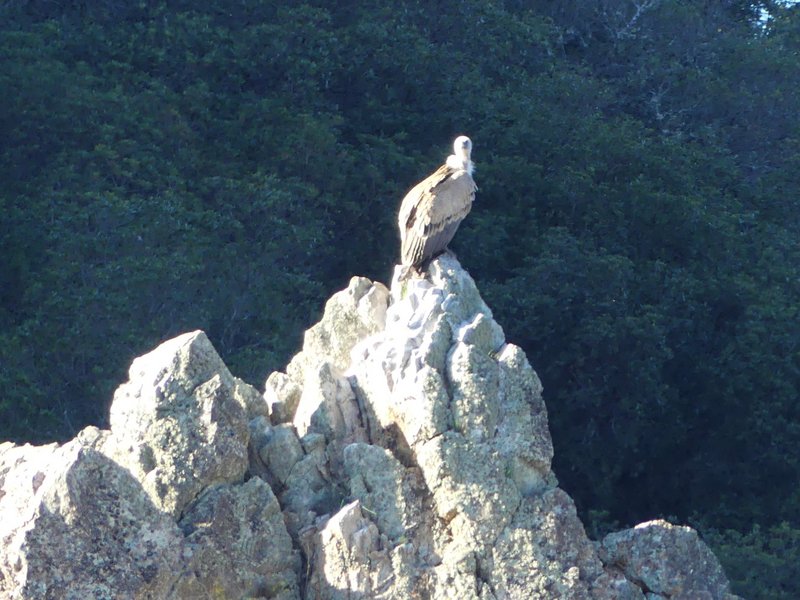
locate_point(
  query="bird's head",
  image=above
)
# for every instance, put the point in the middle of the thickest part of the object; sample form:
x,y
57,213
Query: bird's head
x,y
462,150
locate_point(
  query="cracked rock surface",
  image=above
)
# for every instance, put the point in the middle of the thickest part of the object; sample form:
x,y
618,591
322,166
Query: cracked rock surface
x,y
403,454
157,507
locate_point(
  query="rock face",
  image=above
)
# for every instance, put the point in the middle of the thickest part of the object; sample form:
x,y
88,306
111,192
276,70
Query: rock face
x,y
157,507
404,454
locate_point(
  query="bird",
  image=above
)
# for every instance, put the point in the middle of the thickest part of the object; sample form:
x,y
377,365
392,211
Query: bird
x,y
433,209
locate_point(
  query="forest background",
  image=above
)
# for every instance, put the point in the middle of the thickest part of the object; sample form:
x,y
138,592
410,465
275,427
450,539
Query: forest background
x,y
168,166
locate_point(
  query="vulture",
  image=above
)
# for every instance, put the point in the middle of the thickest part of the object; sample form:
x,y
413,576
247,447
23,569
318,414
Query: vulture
x,y
434,208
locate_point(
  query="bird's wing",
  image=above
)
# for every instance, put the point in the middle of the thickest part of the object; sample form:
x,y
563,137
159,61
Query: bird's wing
x,y
419,196
431,212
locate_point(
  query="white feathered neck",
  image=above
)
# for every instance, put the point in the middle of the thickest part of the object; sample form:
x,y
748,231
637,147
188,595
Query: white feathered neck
x,y
460,159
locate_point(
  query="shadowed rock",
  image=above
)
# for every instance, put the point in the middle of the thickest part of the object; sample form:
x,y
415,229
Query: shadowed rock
x,y
78,525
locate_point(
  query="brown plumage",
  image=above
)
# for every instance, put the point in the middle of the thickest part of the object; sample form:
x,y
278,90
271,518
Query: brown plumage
x,y
434,208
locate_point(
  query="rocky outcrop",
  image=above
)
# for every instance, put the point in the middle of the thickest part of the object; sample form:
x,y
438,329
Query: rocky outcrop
x,y
404,454
667,560
157,507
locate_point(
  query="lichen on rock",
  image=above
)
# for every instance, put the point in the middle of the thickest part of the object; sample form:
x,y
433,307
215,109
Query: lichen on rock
x,y
403,454
157,507
453,491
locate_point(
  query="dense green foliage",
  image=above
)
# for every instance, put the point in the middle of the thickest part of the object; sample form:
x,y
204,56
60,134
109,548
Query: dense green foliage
x,y
760,564
167,167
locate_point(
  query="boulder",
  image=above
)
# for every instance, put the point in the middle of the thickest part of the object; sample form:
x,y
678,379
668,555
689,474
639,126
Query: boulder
x,y
157,507
78,525
667,560
237,545
180,423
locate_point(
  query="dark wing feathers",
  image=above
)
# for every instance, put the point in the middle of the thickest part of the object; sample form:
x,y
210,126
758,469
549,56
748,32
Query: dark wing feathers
x,y
437,242
411,216
431,213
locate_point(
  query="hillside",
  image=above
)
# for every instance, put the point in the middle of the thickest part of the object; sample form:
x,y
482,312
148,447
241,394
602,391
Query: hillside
x,y
165,168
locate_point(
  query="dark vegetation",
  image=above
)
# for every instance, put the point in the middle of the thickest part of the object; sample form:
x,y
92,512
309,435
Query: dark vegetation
x,y
166,166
